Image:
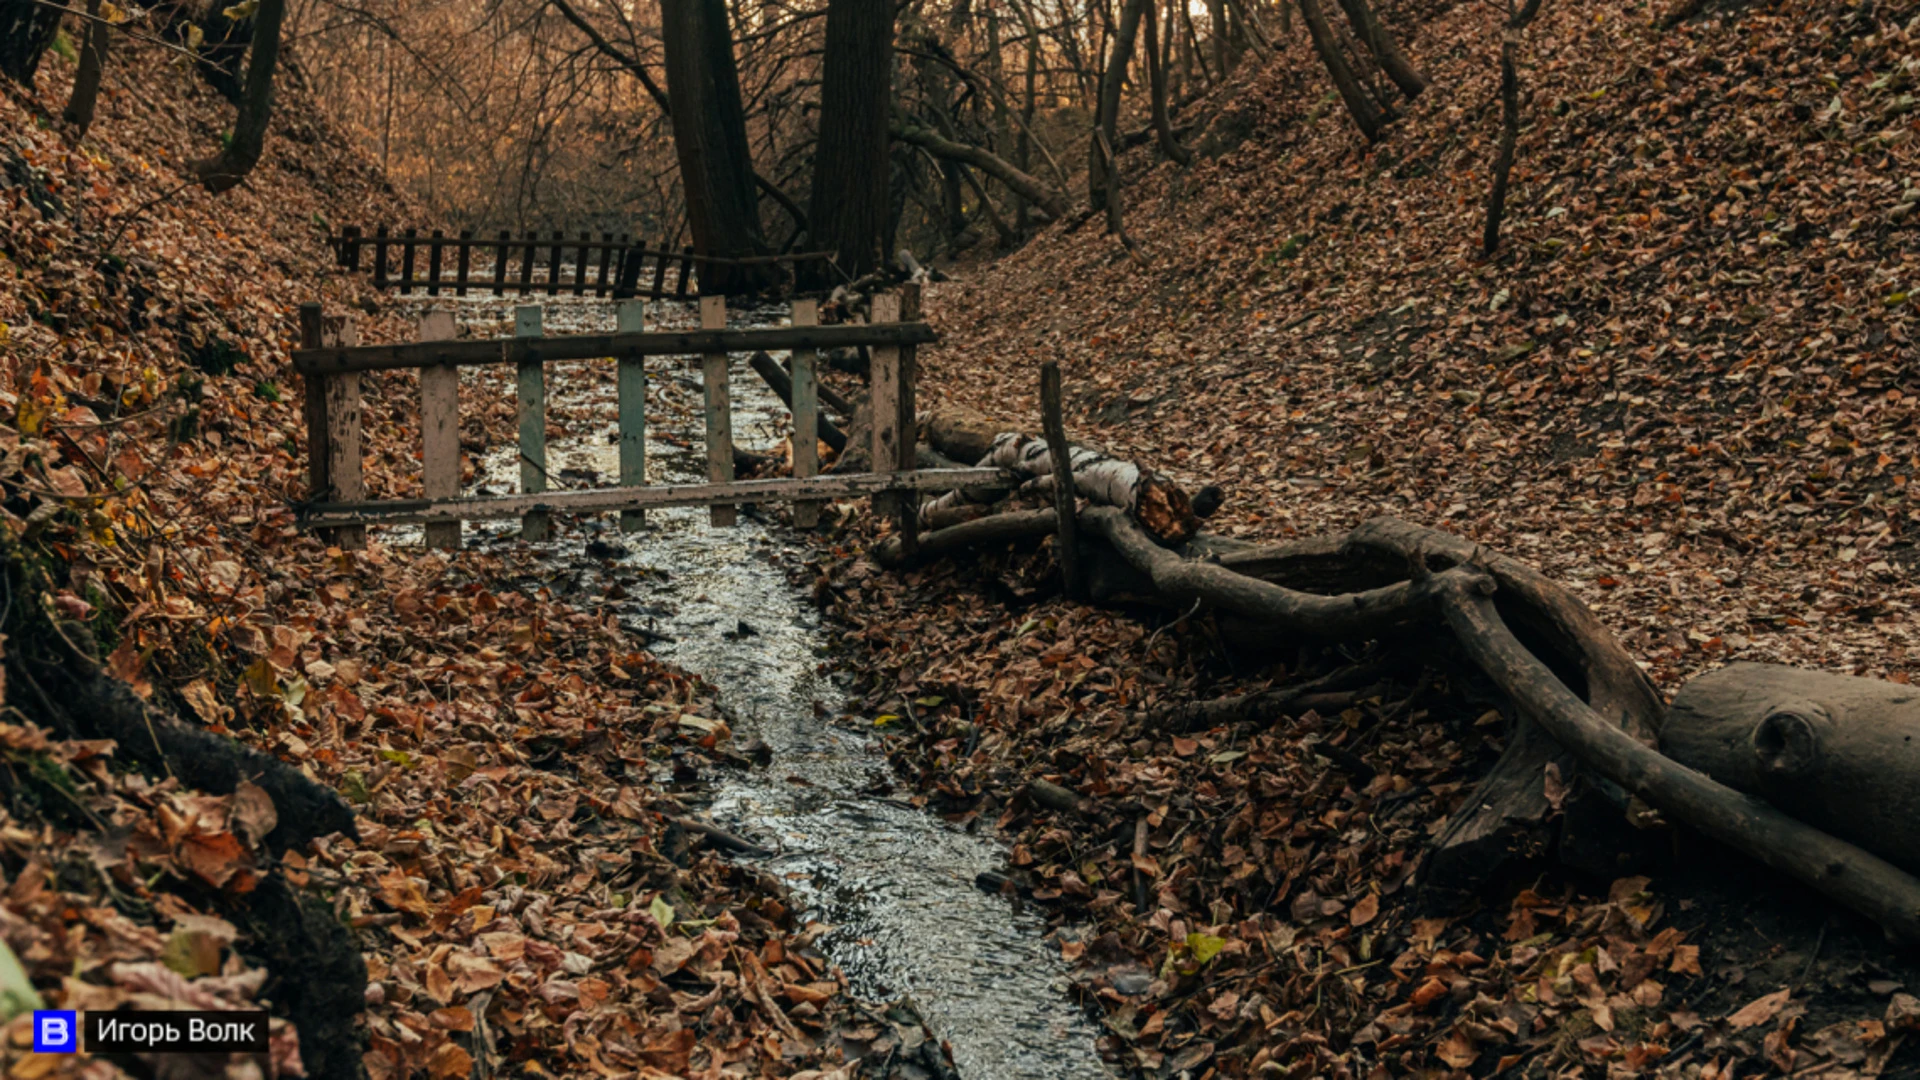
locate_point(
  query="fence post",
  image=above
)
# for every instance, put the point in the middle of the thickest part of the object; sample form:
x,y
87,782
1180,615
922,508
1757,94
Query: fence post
x,y
806,411
606,259
440,429
434,250
633,412
500,265
466,261
406,261
319,483
553,263
893,435
350,248
380,258
1064,495
686,274
526,266
659,290
346,481
535,525
713,316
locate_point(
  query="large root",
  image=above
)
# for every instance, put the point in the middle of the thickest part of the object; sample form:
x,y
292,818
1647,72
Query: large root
x,y
1587,712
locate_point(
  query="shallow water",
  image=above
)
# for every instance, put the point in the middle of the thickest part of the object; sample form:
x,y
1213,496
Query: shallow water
x,y
895,883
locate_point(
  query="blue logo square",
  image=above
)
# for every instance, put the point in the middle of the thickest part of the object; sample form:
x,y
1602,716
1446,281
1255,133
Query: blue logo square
x,y
55,1032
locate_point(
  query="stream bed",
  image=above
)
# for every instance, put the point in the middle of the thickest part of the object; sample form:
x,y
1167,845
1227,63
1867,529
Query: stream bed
x,y
895,883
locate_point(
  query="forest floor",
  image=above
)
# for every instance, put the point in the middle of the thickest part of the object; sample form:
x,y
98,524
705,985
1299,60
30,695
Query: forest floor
x,y
1685,388
516,886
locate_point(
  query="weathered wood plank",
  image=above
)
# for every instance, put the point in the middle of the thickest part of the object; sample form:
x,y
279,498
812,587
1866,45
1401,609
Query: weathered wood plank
x,y
346,481
406,261
713,316
633,412
598,500
659,289
906,505
440,430
806,415
465,263
884,379
380,257
433,262
318,456
535,526
327,361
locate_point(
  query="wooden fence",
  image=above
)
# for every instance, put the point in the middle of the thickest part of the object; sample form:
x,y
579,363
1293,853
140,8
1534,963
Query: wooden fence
x,y
332,364
608,267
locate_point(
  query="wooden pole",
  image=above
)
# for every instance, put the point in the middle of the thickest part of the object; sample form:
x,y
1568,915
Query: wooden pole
x,y
606,258
806,413
908,505
500,264
535,526
713,316
659,290
433,262
466,261
380,257
319,485
633,412
886,390
686,274
346,481
553,262
580,265
440,429
406,261
1067,544
526,264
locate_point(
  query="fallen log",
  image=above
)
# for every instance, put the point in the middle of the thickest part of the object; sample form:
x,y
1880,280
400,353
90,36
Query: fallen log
x,y
1585,706
781,383
1835,751
1153,500
961,433
1860,880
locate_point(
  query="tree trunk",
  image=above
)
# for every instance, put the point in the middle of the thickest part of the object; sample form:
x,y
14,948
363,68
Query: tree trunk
x,y
1107,118
224,42
86,81
1834,751
849,203
1381,44
1371,117
1509,138
27,29
1157,89
226,169
710,141
1217,38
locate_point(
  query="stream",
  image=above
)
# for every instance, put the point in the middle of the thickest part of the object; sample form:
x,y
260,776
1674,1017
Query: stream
x,y
895,883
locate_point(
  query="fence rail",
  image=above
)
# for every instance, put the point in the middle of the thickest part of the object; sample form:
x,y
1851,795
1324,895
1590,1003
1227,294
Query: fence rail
x,y
332,365
530,264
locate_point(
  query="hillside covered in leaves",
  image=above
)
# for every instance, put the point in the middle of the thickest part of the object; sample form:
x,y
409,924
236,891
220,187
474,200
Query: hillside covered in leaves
x,y
1684,386
490,882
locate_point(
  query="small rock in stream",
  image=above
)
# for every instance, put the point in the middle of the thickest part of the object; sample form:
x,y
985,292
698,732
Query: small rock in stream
x,y
605,549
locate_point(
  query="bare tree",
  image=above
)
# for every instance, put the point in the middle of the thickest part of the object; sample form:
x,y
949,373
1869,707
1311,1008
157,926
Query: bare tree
x,y
710,140
1383,48
850,160
226,169
86,81
1101,183
1517,20
27,29
1368,113
1157,90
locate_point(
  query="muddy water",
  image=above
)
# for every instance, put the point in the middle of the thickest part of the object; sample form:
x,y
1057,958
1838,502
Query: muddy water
x,y
895,883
